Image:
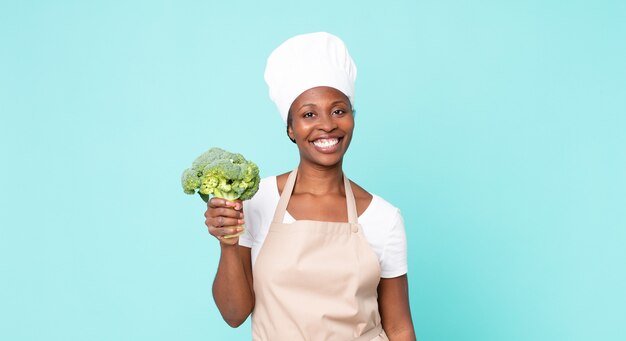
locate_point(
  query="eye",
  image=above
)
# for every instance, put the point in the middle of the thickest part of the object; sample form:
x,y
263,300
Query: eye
x,y
308,114
339,112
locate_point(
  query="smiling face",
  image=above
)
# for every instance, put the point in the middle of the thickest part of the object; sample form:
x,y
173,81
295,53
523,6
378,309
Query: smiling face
x,y
321,123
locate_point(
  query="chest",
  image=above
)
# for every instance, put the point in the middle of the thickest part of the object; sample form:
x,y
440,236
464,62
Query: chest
x,y
311,207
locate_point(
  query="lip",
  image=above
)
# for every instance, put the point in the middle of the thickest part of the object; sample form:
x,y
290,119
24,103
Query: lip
x,y
330,149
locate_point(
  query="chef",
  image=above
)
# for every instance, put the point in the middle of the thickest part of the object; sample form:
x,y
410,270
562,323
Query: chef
x,y
320,258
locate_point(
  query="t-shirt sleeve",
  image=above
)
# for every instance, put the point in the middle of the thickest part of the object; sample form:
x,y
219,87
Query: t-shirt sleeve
x,y
247,238
394,258
257,213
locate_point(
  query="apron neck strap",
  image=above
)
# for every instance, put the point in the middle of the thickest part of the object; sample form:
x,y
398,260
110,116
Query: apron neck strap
x,y
279,214
352,216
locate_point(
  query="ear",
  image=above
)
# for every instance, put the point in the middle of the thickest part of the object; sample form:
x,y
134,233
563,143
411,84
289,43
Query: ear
x,y
290,133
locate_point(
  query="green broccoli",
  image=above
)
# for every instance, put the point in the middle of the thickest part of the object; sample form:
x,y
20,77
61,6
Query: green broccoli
x,y
222,174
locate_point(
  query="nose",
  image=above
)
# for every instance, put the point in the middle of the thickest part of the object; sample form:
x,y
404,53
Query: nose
x,y
327,123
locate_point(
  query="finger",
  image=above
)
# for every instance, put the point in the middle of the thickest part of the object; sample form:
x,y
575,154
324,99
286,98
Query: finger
x,y
217,202
234,236
228,241
237,205
224,231
224,212
225,222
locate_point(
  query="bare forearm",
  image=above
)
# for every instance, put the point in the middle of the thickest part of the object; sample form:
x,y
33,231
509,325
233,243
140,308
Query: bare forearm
x,y
395,310
407,334
231,290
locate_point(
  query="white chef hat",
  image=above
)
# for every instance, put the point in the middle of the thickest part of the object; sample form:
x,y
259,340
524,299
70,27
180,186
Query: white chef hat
x,y
307,61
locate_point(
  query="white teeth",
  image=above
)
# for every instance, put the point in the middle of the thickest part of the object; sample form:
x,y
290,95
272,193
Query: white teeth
x,y
325,143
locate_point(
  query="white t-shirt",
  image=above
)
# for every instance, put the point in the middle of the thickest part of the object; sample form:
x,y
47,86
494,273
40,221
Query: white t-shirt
x,y
381,222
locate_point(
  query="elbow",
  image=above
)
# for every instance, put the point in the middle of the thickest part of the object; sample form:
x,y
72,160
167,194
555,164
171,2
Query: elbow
x,y
234,310
235,322
235,317
406,334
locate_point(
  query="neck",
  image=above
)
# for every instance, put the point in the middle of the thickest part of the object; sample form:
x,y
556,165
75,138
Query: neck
x,y
319,180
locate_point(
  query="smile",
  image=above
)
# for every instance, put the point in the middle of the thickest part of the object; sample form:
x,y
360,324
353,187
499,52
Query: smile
x,y
327,145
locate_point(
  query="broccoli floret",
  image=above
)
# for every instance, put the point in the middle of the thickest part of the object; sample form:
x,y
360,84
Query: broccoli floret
x,y
190,181
222,174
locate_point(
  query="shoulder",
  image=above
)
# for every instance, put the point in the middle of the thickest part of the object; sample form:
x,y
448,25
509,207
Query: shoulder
x,y
375,207
382,212
360,194
280,181
264,199
268,183
267,190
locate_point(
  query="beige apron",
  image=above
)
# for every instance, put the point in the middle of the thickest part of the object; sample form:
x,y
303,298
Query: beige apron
x,y
316,280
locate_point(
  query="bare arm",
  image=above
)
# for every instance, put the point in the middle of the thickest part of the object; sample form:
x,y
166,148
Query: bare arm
x,y
395,312
232,288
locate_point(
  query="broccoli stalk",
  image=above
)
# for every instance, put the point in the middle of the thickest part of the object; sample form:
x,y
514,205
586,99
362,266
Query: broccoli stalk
x,y
222,174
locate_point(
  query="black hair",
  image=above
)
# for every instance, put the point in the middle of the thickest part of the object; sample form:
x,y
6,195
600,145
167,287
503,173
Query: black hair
x,y
289,121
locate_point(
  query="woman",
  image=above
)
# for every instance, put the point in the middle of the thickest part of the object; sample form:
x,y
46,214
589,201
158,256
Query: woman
x,y
321,258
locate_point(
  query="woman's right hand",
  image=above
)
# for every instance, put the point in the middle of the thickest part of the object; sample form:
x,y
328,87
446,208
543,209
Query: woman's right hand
x,y
224,218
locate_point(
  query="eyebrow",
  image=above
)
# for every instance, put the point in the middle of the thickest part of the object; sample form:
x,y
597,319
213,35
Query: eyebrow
x,y
315,105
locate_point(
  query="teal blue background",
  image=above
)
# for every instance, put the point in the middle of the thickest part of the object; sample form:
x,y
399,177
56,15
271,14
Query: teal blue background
x,y
498,128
